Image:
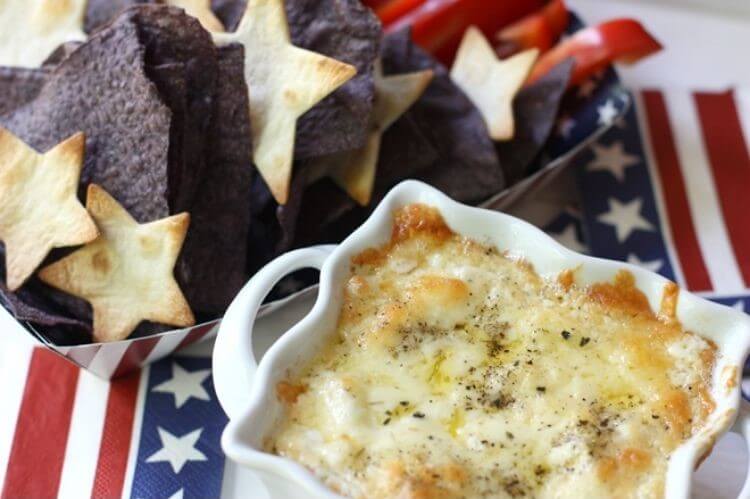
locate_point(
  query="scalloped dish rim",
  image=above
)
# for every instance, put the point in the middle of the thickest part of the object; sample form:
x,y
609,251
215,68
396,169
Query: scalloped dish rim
x,y
244,436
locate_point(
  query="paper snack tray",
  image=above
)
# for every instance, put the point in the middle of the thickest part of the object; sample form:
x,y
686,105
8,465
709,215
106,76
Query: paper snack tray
x,y
587,113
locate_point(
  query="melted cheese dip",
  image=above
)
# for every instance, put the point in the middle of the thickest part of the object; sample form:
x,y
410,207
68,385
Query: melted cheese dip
x,y
456,371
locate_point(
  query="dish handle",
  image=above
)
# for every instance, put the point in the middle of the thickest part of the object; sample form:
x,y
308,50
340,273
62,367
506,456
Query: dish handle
x,y
742,426
234,362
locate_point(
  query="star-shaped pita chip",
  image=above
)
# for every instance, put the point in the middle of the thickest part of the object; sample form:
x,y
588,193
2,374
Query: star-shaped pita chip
x,y
354,171
39,209
126,274
30,30
490,83
201,10
283,82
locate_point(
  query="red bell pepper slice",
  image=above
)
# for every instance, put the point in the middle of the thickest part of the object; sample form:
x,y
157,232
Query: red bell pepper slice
x,y
374,4
439,25
531,32
594,48
392,10
557,15
539,30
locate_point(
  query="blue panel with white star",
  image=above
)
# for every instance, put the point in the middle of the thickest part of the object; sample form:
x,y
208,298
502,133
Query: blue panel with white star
x,y
566,229
179,454
620,216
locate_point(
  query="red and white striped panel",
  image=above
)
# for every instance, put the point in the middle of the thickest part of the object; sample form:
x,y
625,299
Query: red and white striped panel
x,y
75,437
698,144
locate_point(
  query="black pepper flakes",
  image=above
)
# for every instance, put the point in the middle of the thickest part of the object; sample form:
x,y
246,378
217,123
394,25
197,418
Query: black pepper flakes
x,y
418,415
584,341
509,435
565,335
541,389
386,421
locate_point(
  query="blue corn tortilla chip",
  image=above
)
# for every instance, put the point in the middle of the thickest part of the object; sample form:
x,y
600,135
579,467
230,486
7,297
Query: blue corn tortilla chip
x,y
349,32
61,52
28,306
323,214
344,30
45,310
211,269
99,13
535,110
320,212
467,167
264,231
19,86
398,157
209,153
442,140
126,123
181,60
229,12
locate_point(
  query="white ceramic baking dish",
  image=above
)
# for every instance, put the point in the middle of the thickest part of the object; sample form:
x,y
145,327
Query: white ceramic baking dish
x,y
246,389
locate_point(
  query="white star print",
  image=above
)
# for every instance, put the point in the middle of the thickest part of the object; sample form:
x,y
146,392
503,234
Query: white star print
x,y
625,217
177,451
652,265
178,495
184,385
739,306
569,239
587,88
607,113
613,159
565,125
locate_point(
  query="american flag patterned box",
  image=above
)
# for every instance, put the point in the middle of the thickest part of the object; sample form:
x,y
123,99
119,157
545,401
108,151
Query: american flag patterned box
x,y
115,359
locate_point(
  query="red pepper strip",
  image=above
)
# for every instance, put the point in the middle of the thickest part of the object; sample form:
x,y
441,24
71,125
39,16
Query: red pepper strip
x,y
530,32
621,40
557,14
538,30
374,4
392,10
439,25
